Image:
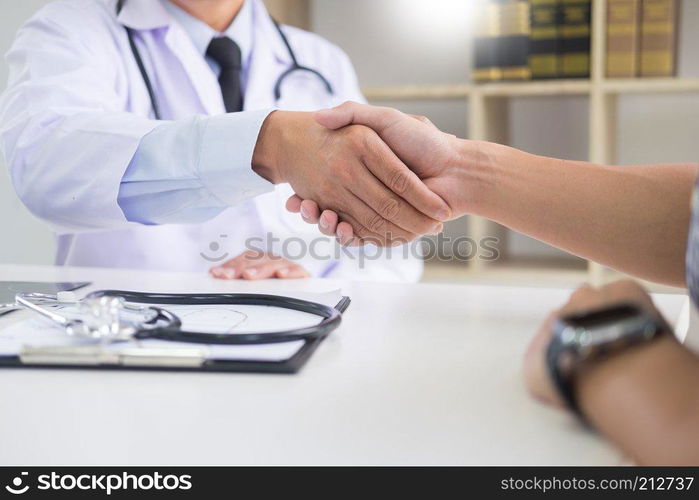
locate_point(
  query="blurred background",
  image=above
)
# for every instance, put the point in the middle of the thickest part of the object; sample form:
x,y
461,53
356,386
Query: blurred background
x,y
418,56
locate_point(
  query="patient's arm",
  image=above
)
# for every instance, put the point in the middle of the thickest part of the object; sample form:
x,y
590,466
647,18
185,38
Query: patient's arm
x,y
632,218
647,402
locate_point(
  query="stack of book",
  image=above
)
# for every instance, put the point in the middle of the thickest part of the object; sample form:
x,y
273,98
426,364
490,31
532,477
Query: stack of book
x,y
560,38
533,39
502,41
641,38
543,39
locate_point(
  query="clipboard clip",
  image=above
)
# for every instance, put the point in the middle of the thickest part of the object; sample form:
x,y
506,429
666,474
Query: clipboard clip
x,y
91,355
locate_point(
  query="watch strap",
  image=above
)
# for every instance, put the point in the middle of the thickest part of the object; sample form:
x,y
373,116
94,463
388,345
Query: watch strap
x,y
563,382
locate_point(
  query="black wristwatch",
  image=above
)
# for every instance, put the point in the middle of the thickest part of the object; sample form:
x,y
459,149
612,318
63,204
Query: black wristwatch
x,y
582,337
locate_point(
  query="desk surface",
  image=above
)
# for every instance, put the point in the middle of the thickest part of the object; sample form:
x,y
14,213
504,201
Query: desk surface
x,y
419,374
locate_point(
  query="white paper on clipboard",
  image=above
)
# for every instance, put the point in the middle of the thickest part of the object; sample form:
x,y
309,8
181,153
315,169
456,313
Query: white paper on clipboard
x,y
35,331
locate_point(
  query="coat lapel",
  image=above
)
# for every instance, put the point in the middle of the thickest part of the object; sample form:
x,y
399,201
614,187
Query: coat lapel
x,y
203,80
150,15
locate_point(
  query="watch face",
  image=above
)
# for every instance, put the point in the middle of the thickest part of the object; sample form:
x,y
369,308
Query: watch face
x,y
595,319
606,329
579,338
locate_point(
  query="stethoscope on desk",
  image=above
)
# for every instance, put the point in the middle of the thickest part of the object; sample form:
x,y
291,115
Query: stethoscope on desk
x,y
295,66
115,315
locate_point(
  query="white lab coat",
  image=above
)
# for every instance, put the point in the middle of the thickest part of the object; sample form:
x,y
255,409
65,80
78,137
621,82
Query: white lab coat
x,y
76,109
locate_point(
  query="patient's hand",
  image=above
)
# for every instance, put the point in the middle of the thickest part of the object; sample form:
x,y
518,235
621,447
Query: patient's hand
x,y
437,158
252,265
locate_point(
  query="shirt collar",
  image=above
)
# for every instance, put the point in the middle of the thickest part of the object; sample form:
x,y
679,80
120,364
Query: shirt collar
x,y
240,30
152,14
143,15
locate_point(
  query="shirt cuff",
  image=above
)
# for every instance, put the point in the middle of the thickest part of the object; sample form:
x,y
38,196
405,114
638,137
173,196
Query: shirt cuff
x,y
692,256
225,163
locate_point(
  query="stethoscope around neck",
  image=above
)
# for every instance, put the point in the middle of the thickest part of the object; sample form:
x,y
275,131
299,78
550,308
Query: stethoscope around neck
x,y
295,67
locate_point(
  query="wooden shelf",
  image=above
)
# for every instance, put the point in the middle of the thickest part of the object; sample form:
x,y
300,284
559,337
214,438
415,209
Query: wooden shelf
x,y
534,88
418,92
503,89
527,272
651,85
609,275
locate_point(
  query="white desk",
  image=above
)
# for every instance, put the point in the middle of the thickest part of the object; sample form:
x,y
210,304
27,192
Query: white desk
x,y
423,374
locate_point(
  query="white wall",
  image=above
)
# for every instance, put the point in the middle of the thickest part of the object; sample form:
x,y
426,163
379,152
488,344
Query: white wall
x,y
23,238
394,42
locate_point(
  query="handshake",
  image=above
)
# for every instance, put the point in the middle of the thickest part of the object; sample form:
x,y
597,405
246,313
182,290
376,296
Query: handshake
x,y
371,175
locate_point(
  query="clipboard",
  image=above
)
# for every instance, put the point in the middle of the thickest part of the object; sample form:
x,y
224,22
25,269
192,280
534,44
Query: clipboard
x,y
170,360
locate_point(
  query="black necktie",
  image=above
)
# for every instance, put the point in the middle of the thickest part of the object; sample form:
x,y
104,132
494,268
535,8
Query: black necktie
x,y
227,55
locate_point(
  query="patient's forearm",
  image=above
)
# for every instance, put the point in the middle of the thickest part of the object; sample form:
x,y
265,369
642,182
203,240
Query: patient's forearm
x,y
647,401
632,218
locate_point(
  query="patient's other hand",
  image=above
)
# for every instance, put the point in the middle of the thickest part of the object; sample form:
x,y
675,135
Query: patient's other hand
x,y
585,298
252,265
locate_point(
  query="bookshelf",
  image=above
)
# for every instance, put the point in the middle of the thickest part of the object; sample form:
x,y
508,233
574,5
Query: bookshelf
x,y
488,105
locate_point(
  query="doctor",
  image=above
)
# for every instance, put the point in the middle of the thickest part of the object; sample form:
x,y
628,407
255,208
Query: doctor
x,y
145,133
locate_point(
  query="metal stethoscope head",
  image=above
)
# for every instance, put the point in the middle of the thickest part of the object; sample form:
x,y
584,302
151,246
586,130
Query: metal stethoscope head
x,y
105,318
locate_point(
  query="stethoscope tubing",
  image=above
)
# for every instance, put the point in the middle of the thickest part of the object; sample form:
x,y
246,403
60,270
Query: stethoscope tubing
x,y
295,66
172,330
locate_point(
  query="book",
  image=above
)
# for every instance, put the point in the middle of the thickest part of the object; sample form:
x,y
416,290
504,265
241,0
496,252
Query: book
x,y
575,18
513,42
623,38
659,27
544,39
486,66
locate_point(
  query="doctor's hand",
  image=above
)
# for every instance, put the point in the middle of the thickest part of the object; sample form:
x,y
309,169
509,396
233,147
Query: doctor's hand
x,y
435,157
252,265
350,171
